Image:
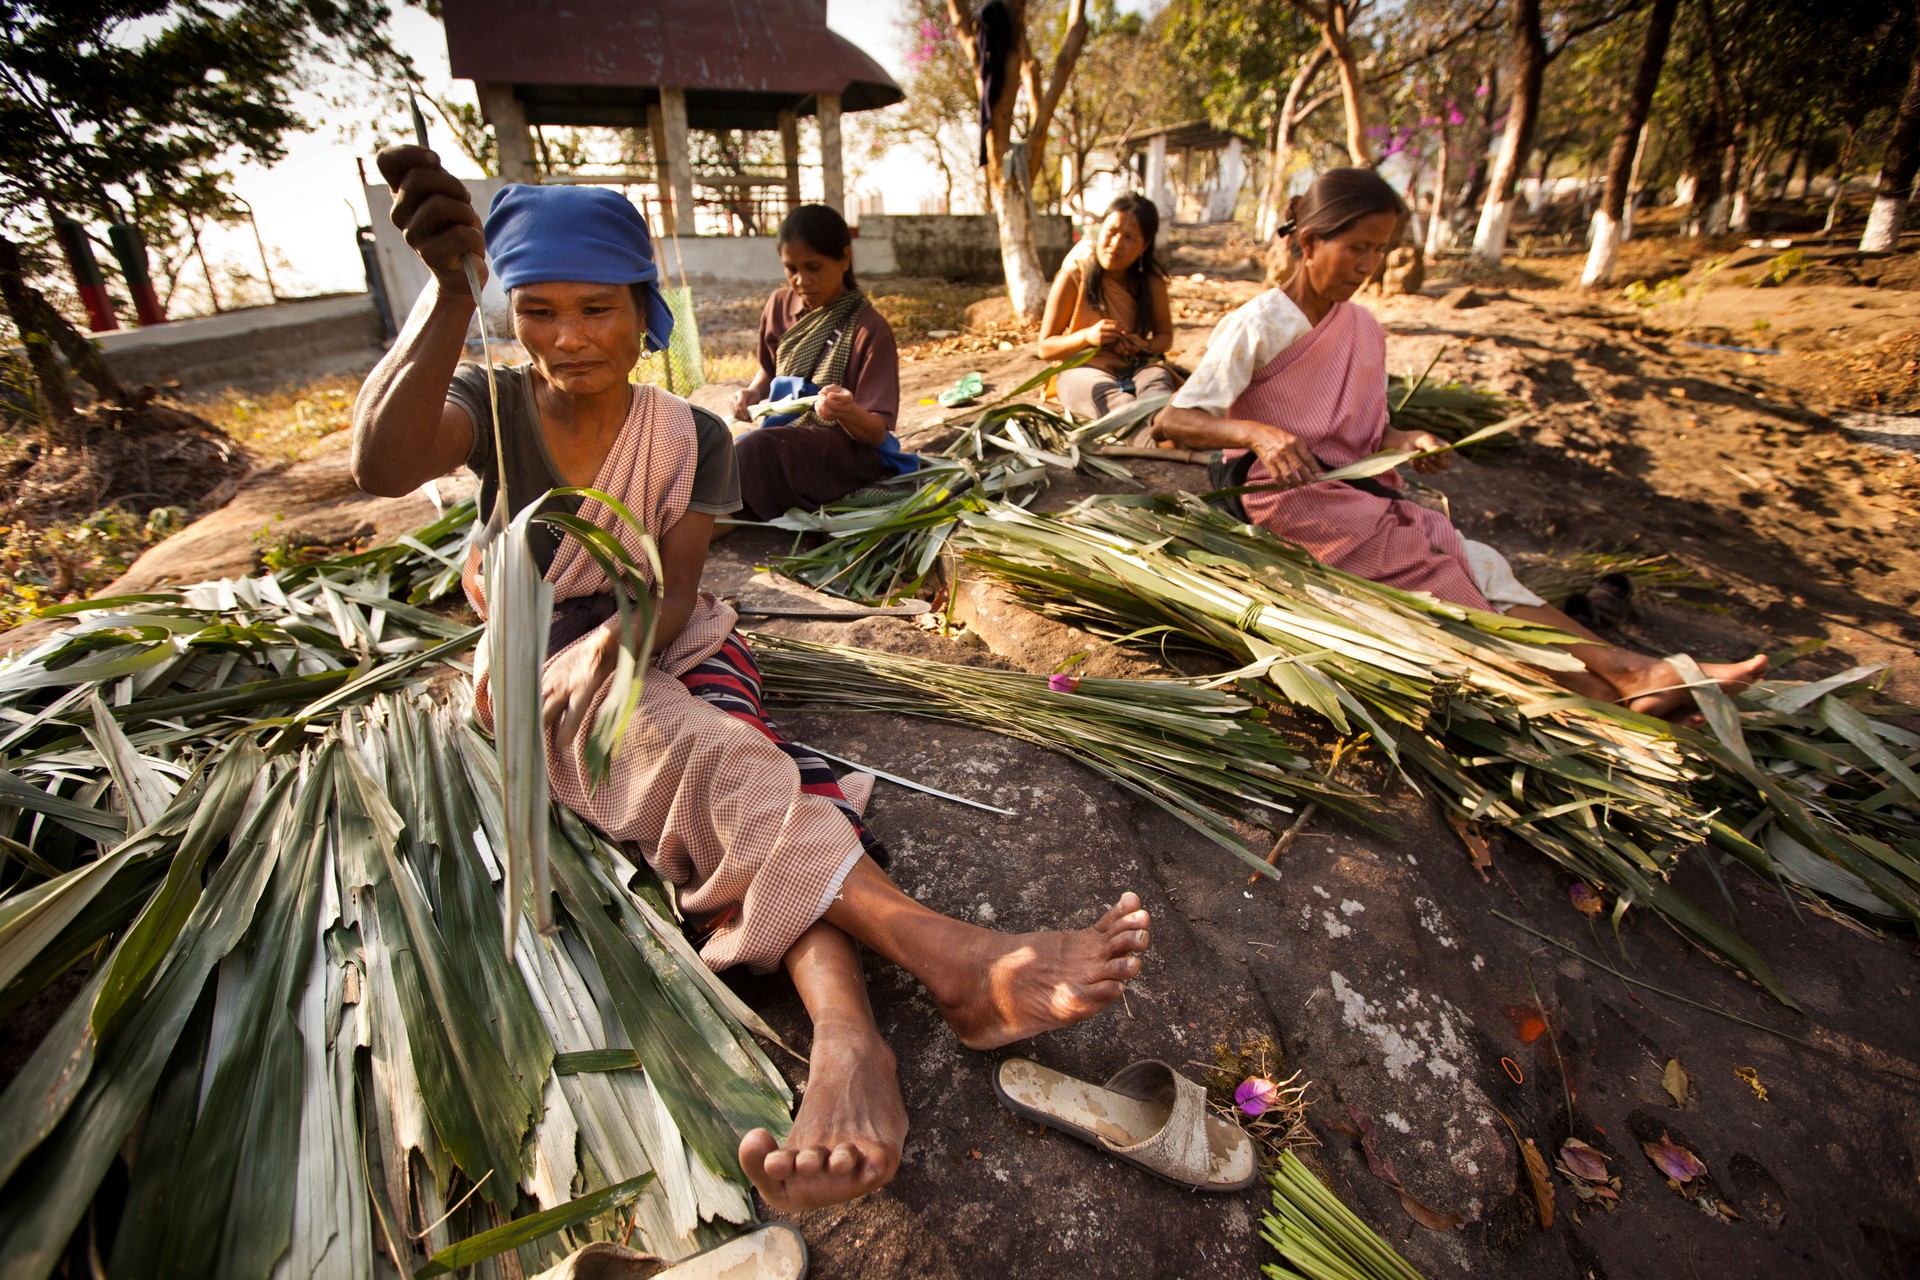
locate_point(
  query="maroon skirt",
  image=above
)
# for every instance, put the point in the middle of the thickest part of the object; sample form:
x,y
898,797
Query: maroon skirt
x,y
808,467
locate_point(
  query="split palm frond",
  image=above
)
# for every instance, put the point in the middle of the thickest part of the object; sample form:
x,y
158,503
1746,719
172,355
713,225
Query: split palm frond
x,y
1460,701
255,812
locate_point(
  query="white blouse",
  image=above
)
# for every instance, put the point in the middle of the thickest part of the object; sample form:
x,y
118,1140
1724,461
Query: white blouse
x,y
1241,345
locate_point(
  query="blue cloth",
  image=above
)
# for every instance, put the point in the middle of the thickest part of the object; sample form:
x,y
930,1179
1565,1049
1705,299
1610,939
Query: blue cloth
x,y
786,386
589,235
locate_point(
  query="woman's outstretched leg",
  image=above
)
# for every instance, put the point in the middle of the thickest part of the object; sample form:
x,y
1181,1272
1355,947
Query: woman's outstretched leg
x,y
1648,685
995,988
847,1136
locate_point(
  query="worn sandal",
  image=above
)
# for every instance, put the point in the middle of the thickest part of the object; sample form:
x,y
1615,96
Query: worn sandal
x,y
1148,1115
771,1251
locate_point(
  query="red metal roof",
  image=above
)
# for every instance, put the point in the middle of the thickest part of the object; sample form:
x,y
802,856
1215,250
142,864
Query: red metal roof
x,y
598,61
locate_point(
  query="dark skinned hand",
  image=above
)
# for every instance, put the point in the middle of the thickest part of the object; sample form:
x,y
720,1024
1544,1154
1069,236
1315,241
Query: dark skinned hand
x,y
1286,459
435,213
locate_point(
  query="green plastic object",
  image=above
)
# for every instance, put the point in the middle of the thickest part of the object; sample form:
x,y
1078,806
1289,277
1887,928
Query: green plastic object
x,y
683,372
964,391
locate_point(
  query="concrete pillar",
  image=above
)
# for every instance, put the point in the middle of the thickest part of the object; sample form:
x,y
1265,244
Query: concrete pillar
x,y
831,175
673,112
790,154
1156,179
509,120
662,169
1233,173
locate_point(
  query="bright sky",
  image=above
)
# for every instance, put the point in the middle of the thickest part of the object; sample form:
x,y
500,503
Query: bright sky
x,y
308,205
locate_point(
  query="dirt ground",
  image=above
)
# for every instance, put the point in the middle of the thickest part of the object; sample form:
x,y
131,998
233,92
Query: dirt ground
x,y
1375,965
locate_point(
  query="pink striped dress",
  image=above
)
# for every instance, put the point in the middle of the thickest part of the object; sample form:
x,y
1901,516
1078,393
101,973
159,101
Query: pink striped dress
x,y
1329,388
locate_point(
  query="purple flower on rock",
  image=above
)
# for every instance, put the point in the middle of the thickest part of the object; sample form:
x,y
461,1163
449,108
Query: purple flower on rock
x,y
1256,1095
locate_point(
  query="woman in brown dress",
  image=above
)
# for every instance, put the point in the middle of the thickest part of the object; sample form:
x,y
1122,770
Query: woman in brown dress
x,y
819,333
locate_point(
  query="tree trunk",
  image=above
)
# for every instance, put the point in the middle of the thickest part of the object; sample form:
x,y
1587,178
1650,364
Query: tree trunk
x,y
56,397
1897,168
1332,19
1476,181
1436,216
1012,168
1623,160
1019,256
1527,66
1840,179
1273,204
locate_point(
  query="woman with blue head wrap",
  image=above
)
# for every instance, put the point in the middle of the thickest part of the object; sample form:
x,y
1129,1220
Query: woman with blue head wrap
x,y
773,863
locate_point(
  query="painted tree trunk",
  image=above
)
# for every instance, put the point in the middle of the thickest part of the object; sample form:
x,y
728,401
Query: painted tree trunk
x,y
1897,168
1528,65
1623,161
1019,256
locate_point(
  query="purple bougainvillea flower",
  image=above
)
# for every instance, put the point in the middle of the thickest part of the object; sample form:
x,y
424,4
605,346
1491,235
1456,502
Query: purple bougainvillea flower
x,y
1063,684
1480,91
1255,1095
1454,116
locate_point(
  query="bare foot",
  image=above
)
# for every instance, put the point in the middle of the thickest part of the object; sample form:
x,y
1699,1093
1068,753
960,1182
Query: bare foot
x,y
1012,986
1659,690
847,1136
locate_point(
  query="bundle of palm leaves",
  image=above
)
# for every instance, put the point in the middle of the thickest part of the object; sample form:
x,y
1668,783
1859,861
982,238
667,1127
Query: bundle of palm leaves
x,y
877,550
1203,755
1458,699
1448,409
268,836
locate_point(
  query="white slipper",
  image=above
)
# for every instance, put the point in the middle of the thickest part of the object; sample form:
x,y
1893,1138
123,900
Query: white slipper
x,y
771,1251
1148,1114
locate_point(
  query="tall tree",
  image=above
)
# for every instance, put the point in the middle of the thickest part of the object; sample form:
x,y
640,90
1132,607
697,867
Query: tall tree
x,y
1528,57
1334,18
1013,167
125,111
1626,143
1242,53
1897,168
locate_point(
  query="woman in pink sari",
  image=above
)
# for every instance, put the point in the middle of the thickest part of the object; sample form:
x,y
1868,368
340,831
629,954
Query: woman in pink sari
x,y
1297,377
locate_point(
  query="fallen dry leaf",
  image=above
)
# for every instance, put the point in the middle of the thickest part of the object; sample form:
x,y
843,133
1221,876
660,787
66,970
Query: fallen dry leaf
x,y
1431,1219
1674,1078
1673,1159
1382,1168
1536,1171
1583,1161
1477,847
1585,900
1752,1078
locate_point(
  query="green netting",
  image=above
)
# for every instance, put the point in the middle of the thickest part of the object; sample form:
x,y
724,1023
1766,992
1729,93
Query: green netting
x,y
681,370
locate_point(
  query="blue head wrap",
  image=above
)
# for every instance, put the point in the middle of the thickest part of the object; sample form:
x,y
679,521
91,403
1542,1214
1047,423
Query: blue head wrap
x,y
539,235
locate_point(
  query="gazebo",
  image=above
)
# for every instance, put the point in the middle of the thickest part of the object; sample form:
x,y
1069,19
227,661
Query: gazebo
x,y
665,66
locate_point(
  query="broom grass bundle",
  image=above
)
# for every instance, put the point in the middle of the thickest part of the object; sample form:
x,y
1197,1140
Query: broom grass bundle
x,y
1319,1238
1460,700
1203,755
